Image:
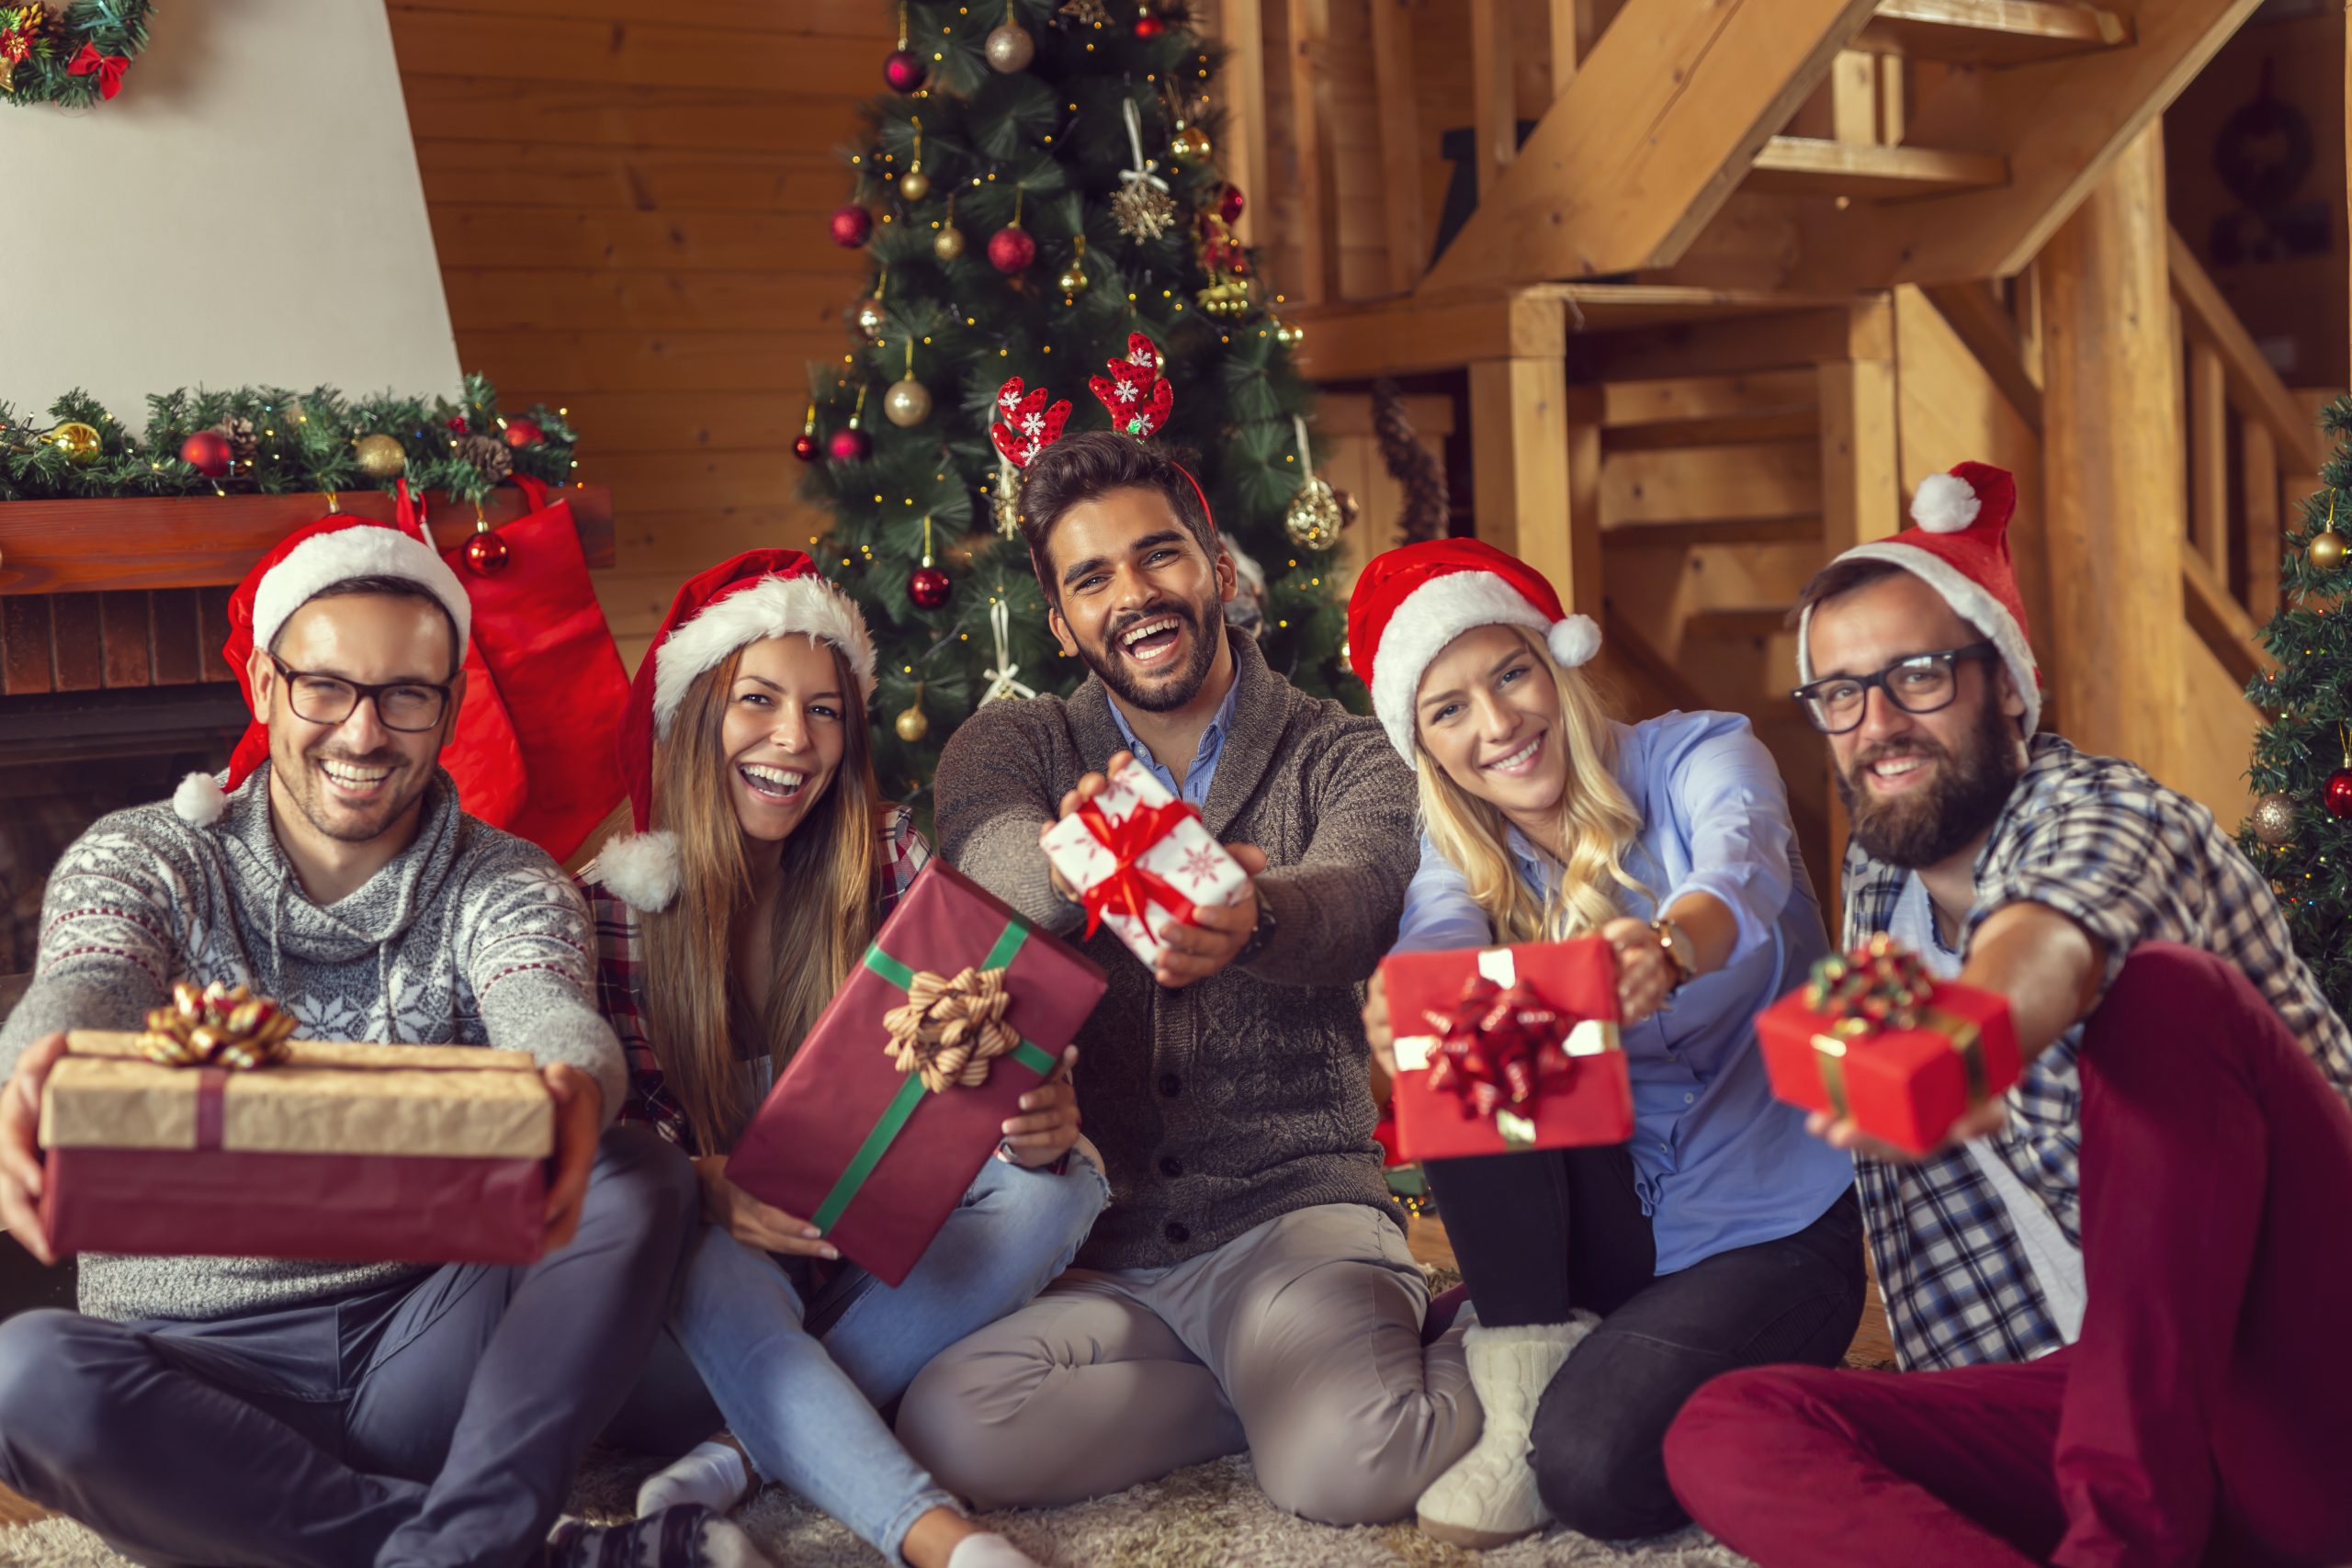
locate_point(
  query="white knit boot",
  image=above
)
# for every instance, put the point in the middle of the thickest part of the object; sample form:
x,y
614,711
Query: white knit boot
x,y
1489,1498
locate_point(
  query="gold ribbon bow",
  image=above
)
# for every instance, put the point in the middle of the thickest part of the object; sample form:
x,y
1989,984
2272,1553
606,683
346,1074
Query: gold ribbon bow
x,y
949,1031
221,1026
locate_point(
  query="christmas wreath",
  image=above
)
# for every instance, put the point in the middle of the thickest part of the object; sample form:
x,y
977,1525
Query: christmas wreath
x,y
68,53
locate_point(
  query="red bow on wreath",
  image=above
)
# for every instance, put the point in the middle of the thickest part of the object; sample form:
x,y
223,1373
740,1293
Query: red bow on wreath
x,y
1130,889
1139,397
1491,1045
109,67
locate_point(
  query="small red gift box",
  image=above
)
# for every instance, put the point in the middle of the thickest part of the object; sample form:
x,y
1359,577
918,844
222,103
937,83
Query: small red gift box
x,y
898,1095
1872,1035
1507,1048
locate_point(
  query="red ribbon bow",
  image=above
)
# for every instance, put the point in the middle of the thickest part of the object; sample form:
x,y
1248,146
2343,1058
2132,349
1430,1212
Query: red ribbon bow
x,y
1130,889
109,67
1491,1045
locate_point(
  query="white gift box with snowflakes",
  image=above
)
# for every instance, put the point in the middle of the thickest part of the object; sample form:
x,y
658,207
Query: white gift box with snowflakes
x,y
1181,859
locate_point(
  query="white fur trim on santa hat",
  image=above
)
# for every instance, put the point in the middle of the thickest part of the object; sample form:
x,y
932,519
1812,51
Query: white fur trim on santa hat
x,y
1945,503
1969,600
1436,613
640,869
199,800
360,550
773,606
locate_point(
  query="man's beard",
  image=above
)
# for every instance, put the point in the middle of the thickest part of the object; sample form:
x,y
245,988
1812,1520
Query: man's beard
x,y
1924,826
1166,693
307,788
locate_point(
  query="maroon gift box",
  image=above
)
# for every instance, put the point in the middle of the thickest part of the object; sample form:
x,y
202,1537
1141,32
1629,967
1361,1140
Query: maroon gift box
x,y
864,1150
371,1154
1583,1095
1903,1084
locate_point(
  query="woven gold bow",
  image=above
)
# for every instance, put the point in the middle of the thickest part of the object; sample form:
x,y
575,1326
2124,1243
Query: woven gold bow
x,y
949,1031
221,1026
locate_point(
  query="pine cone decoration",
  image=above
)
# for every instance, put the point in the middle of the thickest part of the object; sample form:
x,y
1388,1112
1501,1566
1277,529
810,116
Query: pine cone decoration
x,y
488,454
1410,463
238,432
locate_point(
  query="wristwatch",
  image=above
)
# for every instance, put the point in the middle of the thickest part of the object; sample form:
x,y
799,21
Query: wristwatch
x,y
1674,943
1260,935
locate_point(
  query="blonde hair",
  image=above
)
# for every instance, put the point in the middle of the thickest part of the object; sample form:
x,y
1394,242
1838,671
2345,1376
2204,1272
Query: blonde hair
x,y
824,914
1597,823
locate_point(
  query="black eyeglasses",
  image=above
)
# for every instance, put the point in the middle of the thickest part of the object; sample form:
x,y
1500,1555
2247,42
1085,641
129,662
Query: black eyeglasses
x,y
1921,684
408,707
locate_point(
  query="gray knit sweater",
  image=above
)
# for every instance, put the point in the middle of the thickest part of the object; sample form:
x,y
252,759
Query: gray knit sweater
x,y
1229,1102
471,937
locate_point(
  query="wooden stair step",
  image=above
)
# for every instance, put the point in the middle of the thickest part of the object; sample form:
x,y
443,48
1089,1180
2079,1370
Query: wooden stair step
x,y
1811,165
1990,32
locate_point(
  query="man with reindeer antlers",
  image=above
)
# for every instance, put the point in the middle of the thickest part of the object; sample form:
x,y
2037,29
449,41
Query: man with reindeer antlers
x,y
1250,1285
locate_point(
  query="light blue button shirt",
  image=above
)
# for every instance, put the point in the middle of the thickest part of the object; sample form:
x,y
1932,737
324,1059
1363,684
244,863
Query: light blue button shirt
x,y
1718,1162
1194,791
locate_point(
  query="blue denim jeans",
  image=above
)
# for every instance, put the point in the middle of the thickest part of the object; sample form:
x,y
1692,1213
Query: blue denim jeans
x,y
800,1383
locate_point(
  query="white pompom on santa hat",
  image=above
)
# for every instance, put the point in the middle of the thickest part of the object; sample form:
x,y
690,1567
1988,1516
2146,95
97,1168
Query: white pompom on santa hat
x,y
310,559
757,595
1960,548
1413,601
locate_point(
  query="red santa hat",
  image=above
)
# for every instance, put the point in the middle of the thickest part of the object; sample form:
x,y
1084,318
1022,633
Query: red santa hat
x,y
1960,548
312,558
1411,602
757,595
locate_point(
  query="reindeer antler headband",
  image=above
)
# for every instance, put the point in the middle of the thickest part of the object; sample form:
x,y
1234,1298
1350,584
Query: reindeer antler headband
x,y
1138,396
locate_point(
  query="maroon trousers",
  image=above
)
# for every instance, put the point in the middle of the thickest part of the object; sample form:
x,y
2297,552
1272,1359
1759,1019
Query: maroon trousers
x,y
2206,1412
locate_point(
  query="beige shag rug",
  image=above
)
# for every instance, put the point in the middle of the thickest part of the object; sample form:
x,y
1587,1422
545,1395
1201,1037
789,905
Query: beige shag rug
x,y
1207,1517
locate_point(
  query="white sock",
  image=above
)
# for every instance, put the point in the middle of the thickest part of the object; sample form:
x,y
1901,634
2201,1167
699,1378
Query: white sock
x,y
989,1551
713,1474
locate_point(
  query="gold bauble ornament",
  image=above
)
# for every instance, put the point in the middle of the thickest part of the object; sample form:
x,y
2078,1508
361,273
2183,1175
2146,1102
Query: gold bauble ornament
x,y
380,456
914,185
949,245
911,725
2327,552
1288,336
1011,48
1191,145
869,318
79,442
907,402
2274,819
1313,519
1073,279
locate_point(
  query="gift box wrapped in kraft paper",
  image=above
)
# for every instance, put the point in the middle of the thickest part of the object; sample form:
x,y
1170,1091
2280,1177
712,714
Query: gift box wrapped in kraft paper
x,y
1872,1035
1507,1048
899,1093
1139,858
213,1134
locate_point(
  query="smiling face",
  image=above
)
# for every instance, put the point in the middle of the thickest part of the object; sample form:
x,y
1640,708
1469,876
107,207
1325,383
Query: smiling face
x,y
1488,715
1918,788
357,780
1140,600
784,733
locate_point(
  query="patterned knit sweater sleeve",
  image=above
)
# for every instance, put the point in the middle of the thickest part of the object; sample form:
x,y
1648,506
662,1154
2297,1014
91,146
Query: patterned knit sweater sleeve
x,y
527,946
995,791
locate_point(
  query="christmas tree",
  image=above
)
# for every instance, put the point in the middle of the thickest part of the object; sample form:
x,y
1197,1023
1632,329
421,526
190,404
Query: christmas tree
x,y
1037,183
2301,834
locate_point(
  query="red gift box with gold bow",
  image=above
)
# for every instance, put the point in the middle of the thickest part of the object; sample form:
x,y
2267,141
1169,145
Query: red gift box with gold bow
x,y
1507,1048
1874,1036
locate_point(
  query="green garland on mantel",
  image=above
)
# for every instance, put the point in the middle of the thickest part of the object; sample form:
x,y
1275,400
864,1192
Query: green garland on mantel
x,y
70,54
281,443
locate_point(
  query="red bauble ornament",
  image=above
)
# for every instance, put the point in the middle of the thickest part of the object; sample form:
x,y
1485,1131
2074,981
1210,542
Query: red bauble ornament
x,y
522,433
1150,26
851,226
1011,250
207,451
904,71
2338,798
457,423
486,553
806,449
929,587
849,445
1229,204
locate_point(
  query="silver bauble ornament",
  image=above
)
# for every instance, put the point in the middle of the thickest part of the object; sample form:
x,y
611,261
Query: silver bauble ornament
x,y
907,402
2274,819
1011,48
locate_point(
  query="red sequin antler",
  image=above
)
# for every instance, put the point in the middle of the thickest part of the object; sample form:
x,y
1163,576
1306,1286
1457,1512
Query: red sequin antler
x,y
1136,394
1028,426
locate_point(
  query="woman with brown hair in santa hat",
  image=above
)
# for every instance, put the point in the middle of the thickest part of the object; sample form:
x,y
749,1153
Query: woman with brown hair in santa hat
x,y
1720,1236
764,859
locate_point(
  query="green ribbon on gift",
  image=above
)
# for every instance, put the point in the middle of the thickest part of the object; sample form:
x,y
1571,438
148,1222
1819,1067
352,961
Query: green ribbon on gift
x,y
895,1115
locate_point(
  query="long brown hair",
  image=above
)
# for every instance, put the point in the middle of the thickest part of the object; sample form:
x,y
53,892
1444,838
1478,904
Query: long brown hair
x,y
823,921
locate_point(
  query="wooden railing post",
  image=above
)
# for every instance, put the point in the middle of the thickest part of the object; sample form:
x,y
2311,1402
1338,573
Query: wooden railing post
x,y
1395,86
1241,24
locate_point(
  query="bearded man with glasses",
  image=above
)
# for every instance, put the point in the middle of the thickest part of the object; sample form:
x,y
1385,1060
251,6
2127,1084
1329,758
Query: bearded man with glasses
x,y
2103,1284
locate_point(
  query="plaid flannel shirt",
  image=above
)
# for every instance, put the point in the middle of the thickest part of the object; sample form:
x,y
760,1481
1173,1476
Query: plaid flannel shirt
x,y
620,969
2100,842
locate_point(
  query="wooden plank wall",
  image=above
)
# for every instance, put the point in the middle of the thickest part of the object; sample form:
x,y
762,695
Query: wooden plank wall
x,y
629,209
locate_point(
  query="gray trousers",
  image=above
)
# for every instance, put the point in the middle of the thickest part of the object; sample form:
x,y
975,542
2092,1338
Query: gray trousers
x,y
436,1421
1299,1341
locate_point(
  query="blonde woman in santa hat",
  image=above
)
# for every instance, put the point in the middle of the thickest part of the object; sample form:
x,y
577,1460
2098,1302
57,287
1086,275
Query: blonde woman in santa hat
x,y
764,860
1608,1283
